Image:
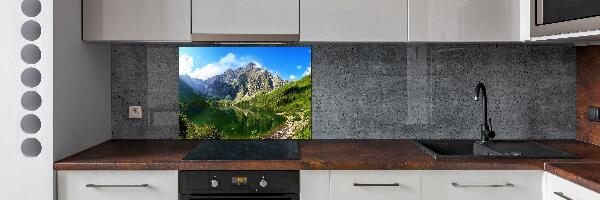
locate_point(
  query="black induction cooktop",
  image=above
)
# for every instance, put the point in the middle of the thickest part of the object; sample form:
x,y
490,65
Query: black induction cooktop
x,y
245,150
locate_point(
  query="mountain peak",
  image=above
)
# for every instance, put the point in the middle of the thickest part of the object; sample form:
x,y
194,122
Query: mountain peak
x,y
236,84
252,65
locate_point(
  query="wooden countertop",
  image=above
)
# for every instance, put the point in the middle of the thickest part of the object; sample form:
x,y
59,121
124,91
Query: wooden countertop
x,y
314,155
332,155
584,174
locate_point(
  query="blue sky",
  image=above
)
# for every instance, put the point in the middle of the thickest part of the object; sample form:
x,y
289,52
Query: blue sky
x,y
290,63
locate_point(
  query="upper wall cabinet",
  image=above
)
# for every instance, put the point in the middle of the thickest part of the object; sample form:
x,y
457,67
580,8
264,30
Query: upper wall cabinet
x,y
136,20
468,20
354,20
245,20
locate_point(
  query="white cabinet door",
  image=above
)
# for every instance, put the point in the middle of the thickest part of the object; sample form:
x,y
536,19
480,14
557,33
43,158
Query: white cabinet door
x,y
375,185
560,189
117,185
354,20
243,20
136,20
468,20
314,184
482,185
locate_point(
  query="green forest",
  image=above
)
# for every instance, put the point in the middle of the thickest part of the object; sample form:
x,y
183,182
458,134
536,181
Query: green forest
x,y
283,113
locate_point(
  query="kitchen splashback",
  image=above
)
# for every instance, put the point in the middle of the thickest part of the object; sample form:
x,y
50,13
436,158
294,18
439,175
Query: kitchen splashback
x,y
381,91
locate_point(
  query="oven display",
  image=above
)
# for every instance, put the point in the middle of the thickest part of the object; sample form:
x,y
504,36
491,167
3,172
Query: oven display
x,y
239,180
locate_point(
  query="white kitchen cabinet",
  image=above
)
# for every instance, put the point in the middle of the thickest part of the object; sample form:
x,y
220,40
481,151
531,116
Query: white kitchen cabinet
x,y
245,20
314,184
136,20
478,185
117,185
560,189
354,20
375,185
468,20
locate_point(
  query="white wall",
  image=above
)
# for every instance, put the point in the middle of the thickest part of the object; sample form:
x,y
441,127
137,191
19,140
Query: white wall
x,y
82,109
21,177
81,99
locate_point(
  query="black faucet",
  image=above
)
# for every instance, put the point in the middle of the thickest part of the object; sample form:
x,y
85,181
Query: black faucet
x,y
487,134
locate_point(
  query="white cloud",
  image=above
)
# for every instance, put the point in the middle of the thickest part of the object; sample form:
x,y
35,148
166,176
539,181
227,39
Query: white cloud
x,y
257,64
292,77
229,61
186,63
207,71
299,67
229,58
307,72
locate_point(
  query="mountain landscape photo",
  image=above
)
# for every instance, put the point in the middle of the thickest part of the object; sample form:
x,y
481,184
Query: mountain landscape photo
x,y
245,93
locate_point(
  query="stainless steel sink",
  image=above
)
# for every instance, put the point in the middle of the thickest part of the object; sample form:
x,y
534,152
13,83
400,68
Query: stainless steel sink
x,y
469,149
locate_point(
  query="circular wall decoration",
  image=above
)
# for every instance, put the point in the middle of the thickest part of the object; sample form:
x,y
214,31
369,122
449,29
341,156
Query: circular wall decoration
x,y
31,100
31,124
31,54
31,77
31,147
31,30
31,8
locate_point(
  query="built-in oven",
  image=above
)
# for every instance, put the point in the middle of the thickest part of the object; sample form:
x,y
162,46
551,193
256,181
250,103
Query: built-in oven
x,y
241,197
552,17
238,185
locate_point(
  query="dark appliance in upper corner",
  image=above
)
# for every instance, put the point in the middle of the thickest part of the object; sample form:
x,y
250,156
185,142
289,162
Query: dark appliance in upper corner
x,y
551,17
235,185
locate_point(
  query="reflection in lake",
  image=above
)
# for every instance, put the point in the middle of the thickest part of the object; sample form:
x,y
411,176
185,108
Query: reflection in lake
x,y
237,123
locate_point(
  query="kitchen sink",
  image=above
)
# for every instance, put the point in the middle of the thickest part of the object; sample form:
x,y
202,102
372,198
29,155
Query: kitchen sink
x,y
471,149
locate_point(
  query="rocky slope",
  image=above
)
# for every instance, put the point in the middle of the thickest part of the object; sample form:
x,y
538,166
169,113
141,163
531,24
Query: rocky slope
x,y
238,84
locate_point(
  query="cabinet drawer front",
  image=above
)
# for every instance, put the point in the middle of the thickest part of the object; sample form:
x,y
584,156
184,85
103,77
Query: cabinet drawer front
x,y
468,21
354,20
117,185
136,20
560,189
245,17
477,185
375,185
314,184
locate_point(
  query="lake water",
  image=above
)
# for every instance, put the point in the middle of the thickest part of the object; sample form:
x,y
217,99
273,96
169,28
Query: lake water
x,y
237,123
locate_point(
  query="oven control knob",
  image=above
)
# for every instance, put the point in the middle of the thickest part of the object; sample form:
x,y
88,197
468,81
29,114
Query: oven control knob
x,y
214,183
263,183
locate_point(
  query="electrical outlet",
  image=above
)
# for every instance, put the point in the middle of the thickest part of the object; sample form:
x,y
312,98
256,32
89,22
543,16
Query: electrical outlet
x,y
135,112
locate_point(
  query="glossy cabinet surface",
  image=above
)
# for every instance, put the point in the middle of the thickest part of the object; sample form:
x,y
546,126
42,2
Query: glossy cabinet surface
x,y
243,17
117,185
307,20
560,189
477,185
468,20
314,184
375,185
342,185
354,20
136,20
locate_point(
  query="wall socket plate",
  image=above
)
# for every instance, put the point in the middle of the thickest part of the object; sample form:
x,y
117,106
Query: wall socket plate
x,y
135,112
